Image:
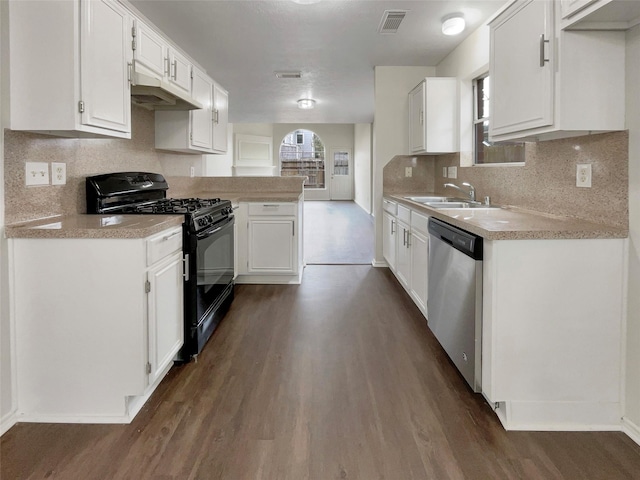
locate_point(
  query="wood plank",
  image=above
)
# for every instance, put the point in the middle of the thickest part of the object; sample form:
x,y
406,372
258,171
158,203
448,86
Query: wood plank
x,y
336,378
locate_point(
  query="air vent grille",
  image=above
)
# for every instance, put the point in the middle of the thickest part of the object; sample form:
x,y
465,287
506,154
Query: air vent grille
x,y
391,20
288,74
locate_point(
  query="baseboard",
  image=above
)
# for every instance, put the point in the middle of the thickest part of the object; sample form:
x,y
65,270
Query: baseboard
x,y
560,416
631,429
244,279
8,421
379,263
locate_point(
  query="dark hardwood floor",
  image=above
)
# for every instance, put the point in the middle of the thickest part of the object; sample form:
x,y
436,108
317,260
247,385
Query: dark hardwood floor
x,y
338,378
337,233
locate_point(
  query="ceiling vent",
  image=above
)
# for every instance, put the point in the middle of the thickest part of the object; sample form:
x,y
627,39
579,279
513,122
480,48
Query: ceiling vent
x,y
289,74
391,20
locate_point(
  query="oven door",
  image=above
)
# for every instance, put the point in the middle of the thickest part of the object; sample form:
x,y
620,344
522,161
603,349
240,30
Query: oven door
x,y
214,266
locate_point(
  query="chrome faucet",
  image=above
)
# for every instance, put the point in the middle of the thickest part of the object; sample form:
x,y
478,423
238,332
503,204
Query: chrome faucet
x,y
471,192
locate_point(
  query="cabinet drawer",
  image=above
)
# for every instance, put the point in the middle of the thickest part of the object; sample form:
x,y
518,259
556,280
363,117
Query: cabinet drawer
x,y
270,209
419,222
163,244
404,214
390,206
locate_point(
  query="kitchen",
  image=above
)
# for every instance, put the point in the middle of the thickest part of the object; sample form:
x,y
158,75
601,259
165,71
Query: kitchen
x,y
392,86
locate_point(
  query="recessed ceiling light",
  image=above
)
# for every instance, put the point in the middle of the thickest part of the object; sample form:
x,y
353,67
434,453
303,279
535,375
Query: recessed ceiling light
x,y
305,2
453,24
306,103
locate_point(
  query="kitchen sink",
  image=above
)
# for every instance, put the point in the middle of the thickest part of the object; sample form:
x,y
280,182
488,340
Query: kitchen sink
x,y
433,199
461,205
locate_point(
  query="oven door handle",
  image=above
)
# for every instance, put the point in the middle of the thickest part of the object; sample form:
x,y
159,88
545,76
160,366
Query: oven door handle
x,y
214,229
185,261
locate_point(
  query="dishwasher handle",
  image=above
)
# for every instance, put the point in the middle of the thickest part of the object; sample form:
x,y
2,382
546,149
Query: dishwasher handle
x,y
463,241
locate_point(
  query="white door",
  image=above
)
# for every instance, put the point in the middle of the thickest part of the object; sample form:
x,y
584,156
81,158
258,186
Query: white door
x,y
341,174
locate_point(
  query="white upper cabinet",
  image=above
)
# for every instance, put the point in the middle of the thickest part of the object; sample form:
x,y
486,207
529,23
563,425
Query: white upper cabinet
x,y
69,68
202,120
150,50
220,119
179,71
196,131
600,14
433,116
548,83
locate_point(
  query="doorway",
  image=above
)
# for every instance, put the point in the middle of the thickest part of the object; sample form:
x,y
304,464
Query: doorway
x,y
341,174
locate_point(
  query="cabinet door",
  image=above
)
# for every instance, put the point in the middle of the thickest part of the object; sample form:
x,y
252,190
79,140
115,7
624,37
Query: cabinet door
x,y
220,119
419,245
104,55
165,314
521,79
389,231
201,120
272,246
416,119
403,255
150,50
180,71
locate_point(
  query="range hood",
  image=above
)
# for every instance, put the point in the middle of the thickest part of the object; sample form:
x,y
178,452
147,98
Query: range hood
x,y
154,93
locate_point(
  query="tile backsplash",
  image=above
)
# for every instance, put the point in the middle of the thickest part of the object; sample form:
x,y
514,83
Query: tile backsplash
x,y
545,183
83,157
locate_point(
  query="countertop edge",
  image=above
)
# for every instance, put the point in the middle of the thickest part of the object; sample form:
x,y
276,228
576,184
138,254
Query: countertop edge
x,y
583,229
31,228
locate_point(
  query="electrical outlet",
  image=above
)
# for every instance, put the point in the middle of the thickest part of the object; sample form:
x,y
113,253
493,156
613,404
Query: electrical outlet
x,y
453,172
444,172
36,173
583,175
192,171
408,171
58,173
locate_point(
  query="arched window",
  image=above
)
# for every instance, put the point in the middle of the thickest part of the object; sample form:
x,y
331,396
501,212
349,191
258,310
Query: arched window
x,y
302,153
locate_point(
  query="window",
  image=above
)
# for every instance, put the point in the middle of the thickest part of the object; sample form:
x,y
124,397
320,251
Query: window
x,y
484,151
304,157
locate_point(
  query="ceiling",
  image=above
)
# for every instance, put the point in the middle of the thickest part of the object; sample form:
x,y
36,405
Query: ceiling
x,y
334,43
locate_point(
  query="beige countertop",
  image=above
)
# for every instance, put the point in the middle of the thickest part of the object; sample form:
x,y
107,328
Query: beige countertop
x,y
237,197
512,223
94,226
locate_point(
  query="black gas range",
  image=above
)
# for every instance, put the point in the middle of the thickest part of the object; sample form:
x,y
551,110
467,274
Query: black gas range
x,y
208,244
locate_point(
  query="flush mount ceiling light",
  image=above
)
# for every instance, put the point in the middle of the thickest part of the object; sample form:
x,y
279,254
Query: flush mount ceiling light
x,y
306,103
453,24
305,2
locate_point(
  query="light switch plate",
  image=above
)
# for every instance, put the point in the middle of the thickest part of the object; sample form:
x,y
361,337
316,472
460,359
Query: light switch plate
x,y
444,172
58,173
408,171
192,171
453,172
36,173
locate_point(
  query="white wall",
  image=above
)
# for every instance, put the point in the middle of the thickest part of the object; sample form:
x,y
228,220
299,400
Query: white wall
x,y
362,161
632,405
7,368
390,128
468,61
333,135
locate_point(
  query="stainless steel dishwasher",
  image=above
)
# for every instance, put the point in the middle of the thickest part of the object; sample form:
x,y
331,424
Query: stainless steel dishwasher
x,y
455,296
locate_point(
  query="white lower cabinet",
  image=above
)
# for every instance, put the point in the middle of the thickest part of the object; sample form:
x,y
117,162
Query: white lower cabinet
x,y
98,323
389,239
419,245
269,242
406,249
553,326
403,255
165,313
